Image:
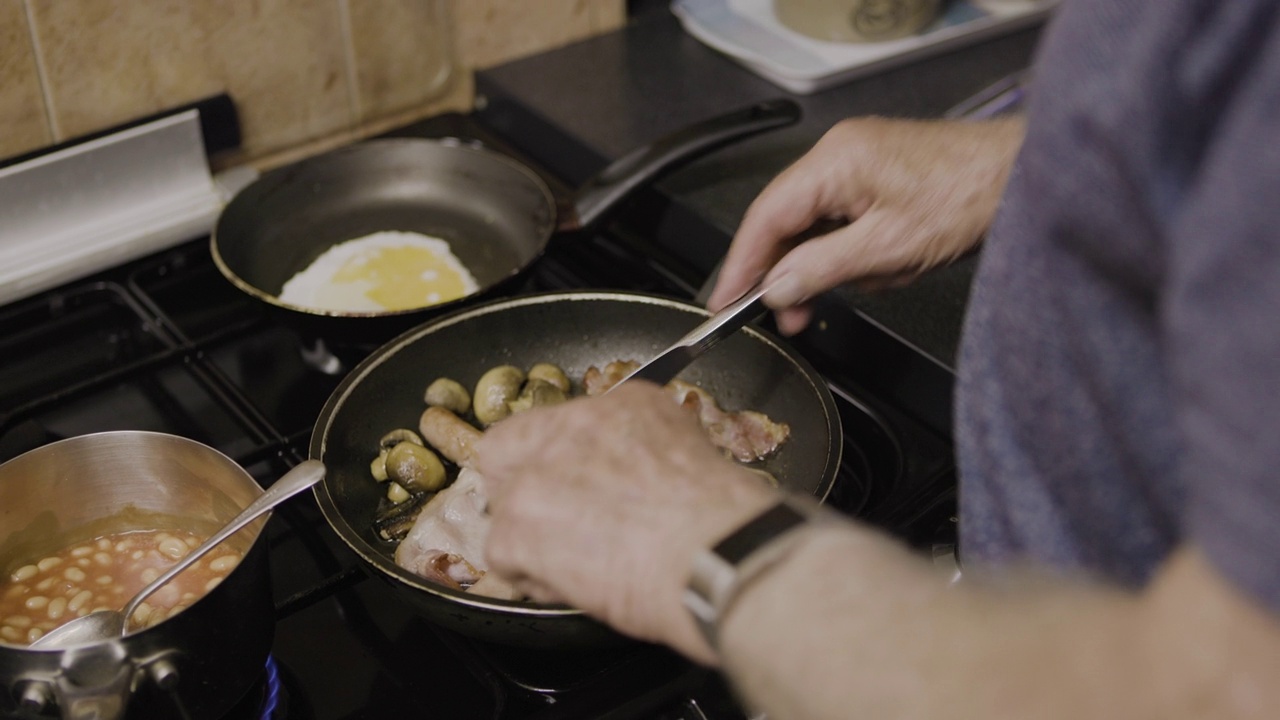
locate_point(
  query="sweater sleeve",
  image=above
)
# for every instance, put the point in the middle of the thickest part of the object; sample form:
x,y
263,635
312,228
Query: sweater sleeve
x,y
1221,307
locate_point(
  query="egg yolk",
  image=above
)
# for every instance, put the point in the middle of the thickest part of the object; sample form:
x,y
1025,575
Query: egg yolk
x,y
389,270
399,278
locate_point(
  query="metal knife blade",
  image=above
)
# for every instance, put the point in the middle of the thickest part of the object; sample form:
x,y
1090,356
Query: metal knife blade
x,y
671,361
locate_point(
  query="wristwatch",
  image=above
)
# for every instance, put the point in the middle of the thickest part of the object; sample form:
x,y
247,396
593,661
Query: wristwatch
x,y
719,573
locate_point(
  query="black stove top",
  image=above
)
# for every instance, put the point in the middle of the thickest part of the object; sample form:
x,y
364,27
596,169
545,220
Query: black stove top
x,y
166,344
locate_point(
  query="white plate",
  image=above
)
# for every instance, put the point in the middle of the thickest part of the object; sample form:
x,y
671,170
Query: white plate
x,y
748,32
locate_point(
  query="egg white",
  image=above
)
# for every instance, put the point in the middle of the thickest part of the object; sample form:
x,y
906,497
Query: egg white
x,y
318,286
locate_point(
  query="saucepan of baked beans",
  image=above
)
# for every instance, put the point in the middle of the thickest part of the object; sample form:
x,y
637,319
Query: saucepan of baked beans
x,y
87,522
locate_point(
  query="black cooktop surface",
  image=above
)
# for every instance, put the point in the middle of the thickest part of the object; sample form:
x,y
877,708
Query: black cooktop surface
x,y
166,344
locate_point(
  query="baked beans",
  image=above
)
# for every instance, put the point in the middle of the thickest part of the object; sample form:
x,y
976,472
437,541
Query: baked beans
x,y
105,573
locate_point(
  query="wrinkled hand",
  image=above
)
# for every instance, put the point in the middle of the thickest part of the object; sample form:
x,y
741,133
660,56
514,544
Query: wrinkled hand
x,y
602,502
909,195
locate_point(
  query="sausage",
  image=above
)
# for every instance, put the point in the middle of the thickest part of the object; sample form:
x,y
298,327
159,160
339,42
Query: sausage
x,y
450,434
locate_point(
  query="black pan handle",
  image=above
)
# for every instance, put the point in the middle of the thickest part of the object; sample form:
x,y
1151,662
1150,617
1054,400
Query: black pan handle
x,y
620,178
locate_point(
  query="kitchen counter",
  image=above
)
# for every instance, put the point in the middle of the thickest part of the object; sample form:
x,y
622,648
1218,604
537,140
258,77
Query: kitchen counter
x,y
576,108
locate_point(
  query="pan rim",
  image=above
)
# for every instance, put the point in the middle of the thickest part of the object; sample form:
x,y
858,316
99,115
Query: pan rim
x,y
392,572
269,181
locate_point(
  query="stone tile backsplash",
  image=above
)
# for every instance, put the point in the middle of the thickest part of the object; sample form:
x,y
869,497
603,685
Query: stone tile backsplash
x,y
304,74
24,120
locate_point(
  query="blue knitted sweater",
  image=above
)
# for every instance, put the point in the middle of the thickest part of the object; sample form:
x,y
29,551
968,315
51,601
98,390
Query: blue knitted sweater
x,y
1119,375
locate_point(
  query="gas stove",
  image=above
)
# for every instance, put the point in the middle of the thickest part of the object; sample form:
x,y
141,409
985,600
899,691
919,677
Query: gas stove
x,y
165,343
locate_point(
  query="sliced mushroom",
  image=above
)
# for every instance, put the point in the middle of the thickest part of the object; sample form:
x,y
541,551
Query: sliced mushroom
x,y
397,436
396,493
765,476
552,374
415,468
496,388
378,468
448,393
537,393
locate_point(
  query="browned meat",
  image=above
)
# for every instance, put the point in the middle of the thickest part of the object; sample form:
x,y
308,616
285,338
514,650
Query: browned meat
x,y
448,569
449,434
596,381
746,434
446,542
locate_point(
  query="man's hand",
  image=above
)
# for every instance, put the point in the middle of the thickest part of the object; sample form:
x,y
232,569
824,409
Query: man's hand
x,y
601,503
910,195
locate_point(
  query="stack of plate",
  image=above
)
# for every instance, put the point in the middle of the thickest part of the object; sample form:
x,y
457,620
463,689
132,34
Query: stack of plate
x,y
748,32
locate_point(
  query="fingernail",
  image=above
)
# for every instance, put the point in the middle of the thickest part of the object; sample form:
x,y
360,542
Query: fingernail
x,y
787,291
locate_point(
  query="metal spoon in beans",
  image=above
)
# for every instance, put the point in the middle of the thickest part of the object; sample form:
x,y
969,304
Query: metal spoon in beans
x,y
107,624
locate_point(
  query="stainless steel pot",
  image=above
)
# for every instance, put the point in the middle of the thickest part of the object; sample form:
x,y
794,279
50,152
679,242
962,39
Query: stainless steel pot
x,y
198,663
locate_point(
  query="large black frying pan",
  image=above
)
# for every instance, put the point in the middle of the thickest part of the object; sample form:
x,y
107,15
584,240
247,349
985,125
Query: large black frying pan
x,y
496,214
749,370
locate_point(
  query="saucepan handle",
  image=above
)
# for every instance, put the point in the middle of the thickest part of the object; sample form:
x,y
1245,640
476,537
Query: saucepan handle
x,y
95,682
621,177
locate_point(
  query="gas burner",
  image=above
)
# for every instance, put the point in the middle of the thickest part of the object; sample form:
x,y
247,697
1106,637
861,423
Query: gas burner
x,y
267,699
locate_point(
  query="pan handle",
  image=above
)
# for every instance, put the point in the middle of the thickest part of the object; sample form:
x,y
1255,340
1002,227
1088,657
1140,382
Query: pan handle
x,y
623,176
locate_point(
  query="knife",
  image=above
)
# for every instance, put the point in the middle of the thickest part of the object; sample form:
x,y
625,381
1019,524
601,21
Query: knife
x,y
671,361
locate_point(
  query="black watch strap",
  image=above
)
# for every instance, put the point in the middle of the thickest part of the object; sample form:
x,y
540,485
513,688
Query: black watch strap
x,y
719,573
